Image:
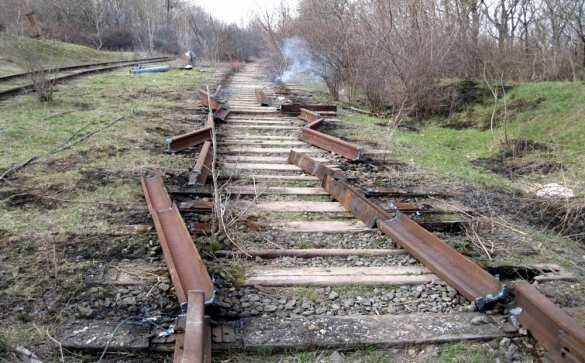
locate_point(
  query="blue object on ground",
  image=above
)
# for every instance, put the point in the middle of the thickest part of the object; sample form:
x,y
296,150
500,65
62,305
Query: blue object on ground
x,y
150,69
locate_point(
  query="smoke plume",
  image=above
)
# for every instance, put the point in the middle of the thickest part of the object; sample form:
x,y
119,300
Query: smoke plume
x,y
298,60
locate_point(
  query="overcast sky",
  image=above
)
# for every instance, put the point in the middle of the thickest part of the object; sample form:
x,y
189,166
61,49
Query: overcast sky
x,y
238,11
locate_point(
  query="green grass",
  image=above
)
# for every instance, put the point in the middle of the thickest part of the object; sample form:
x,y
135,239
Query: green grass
x,y
466,353
121,153
546,112
311,294
51,53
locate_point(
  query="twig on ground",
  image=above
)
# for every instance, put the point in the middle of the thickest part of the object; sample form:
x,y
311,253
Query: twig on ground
x,y
55,341
218,221
73,140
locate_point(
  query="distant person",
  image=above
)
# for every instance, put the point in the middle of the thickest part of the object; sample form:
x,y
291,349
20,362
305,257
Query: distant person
x,y
190,60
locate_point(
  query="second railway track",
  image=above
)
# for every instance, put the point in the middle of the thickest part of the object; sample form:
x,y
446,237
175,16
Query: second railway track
x,y
15,84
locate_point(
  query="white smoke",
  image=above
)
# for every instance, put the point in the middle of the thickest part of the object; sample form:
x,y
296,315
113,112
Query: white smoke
x,y
298,59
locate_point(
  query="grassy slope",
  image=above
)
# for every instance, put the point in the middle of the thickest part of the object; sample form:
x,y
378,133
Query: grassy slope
x,y
51,53
549,112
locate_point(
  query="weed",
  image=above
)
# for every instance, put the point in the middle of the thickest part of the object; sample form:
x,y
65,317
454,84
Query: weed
x,y
235,274
306,293
212,245
353,290
304,244
466,353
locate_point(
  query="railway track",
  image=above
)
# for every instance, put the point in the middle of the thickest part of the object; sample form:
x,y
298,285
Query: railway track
x,y
17,83
313,259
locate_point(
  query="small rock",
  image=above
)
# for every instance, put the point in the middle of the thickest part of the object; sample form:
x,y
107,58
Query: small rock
x,y
505,343
333,295
270,308
348,302
85,310
336,357
479,320
164,287
290,304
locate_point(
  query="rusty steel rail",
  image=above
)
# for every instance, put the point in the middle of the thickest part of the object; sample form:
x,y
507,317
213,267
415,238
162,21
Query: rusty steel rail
x,y
194,344
187,270
185,141
458,271
330,143
200,172
559,334
122,63
309,116
208,100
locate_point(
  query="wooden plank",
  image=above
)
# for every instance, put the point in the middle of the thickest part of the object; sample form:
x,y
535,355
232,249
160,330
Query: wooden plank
x,y
275,178
233,121
274,333
353,226
257,127
254,166
261,143
299,206
251,190
252,110
336,276
259,159
95,334
258,150
235,137
354,332
314,252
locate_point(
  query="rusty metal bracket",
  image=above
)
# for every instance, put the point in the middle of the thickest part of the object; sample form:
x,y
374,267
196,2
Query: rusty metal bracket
x,y
185,141
221,114
202,166
354,201
309,115
187,270
561,335
458,271
310,166
327,142
208,101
